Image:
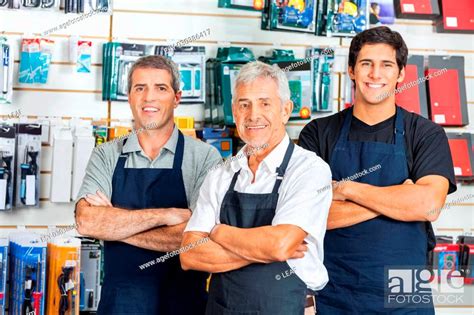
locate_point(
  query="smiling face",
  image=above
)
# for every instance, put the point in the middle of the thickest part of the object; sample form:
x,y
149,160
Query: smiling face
x,y
152,98
259,115
376,74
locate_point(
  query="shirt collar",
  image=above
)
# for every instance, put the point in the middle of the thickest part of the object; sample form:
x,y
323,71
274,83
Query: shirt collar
x,y
133,145
271,161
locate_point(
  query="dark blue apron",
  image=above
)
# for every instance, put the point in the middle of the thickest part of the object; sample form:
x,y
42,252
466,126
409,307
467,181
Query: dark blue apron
x,y
162,289
255,289
356,256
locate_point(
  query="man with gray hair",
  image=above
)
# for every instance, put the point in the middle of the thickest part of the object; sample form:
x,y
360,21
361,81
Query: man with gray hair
x,y
136,196
265,220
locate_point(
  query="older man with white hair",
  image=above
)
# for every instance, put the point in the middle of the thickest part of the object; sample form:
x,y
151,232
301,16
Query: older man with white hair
x,y
262,212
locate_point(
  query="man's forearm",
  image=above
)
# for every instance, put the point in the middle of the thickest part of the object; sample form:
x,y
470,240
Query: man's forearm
x,y
347,213
162,239
400,202
113,224
263,244
209,256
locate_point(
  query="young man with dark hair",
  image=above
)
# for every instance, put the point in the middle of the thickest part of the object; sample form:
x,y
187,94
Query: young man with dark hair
x,y
381,219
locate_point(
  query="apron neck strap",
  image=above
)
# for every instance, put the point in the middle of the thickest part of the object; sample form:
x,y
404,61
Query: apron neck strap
x,y
399,127
123,156
178,155
234,180
281,170
344,136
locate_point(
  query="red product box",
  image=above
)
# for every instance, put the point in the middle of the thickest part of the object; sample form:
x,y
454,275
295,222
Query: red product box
x,y
417,9
461,152
413,99
447,90
457,17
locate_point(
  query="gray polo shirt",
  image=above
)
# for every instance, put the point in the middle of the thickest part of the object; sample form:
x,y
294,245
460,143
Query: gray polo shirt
x,y
198,158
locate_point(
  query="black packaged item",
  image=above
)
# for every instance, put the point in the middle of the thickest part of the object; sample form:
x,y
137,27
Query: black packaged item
x,y
91,270
28,158
7,166
467,258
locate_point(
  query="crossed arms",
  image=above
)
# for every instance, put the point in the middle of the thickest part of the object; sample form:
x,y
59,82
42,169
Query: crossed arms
x,y
155,229
231,248
355,202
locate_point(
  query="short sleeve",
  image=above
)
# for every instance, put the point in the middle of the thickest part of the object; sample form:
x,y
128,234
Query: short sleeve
x,y
305,204
98,175
432,156
204,216
211,160
308,138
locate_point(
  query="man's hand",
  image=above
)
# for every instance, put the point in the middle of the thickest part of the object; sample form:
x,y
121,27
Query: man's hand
x,y
300,251
98,200
175,216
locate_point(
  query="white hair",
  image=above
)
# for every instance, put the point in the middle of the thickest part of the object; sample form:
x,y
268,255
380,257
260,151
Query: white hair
x,y
257,69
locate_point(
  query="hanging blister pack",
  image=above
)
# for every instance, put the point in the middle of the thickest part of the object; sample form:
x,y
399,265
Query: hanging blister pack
x,y
35,60
6,70
293,15
91,272
64,256
39,4
28,157
87,6
80,52
346,18
322,60
7,166
27,274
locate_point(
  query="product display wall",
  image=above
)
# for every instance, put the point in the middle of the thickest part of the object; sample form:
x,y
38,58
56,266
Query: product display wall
x,y
68,93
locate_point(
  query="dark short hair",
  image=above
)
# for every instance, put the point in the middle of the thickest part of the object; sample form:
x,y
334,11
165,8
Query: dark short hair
x,y
379,35
156,62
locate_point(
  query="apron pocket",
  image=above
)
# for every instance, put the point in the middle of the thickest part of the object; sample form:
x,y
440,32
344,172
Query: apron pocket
x,y
217,309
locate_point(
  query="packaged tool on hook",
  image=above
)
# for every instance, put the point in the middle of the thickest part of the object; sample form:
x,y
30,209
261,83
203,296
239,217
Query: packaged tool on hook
x,y
81,6
27,274
35,59
6,70
39,4
64,256
28,154
7,166
80,52
91,274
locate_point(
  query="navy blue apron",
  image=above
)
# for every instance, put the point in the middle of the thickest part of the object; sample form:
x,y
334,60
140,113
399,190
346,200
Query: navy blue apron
x,y
255,289
356,256
162,289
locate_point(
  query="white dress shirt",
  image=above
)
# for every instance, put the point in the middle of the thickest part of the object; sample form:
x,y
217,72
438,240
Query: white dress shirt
x,y
299,202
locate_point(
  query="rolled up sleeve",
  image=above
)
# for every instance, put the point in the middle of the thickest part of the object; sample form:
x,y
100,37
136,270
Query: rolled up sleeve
x,y
205,214
98,175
